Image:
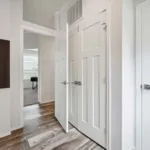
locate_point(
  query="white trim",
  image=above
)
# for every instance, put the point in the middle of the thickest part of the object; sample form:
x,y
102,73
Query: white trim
x,y
21,75
138,77
39,78
67,76
5,134
108,14
16,128
28,26
139,74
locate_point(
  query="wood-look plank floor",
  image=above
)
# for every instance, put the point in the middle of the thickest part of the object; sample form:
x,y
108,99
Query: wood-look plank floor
x,y
43,132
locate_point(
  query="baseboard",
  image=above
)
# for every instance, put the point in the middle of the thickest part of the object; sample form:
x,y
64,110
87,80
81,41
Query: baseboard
x,y
17,131
52,102
5,135
16,128
8,135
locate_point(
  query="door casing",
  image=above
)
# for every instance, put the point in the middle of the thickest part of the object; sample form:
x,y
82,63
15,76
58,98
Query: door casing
x,y
26,26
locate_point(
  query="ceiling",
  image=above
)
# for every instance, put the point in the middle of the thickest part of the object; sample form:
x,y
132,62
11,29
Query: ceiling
x,y
41,11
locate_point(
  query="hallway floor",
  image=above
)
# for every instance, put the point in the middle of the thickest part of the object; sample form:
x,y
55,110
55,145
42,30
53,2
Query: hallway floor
x,y
43,132
30,96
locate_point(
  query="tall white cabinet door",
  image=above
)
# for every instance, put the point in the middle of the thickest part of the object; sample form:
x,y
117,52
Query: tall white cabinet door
x,y
73,64
92,74
62,79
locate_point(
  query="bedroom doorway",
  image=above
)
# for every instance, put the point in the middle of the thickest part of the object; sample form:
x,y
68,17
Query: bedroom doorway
x,y
30,63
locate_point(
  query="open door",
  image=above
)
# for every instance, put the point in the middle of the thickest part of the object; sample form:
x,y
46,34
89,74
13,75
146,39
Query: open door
x,y
61,79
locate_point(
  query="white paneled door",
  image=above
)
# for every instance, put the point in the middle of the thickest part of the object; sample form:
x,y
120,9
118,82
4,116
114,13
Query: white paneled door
x,y
62,79
73,63
92,74
143,54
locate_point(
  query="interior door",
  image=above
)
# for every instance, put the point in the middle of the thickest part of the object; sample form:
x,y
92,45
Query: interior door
x,y
145,57
92,74
62,79
73,63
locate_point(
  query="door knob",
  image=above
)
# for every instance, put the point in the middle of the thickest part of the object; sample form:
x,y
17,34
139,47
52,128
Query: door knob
x,y
65,83
75,82
146,87
79,83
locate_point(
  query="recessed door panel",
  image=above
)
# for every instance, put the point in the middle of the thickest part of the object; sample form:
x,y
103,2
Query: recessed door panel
x,y
85,89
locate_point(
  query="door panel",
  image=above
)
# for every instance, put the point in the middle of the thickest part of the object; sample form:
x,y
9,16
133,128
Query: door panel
x,y
62,79
145,77
73,59
92,74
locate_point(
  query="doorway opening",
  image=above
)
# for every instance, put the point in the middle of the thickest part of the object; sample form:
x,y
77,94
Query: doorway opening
x,y
31,66
38,75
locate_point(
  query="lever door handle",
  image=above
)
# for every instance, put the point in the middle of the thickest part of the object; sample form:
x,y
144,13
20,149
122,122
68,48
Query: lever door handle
x,y
146,87
75,82
79,83
65,83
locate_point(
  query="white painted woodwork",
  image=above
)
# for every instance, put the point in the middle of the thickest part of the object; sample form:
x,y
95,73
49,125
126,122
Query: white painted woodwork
x,y
34,28
143,76
92,74
73,64
61,90
94,7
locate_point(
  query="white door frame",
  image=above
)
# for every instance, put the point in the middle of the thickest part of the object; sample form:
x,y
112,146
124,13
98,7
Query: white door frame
x,y
27,26
139,74
108,74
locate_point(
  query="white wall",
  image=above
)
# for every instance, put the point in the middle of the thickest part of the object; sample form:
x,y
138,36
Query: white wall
x,y
41,12
5,93
30,67
16,102
30,40
115,46
46,67
128,75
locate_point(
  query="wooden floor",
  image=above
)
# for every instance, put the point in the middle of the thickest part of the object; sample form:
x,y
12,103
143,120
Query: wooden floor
x,y
43,132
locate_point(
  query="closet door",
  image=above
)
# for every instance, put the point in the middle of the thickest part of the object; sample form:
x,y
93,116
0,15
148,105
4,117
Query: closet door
x,y
73,63
92,74
62,79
